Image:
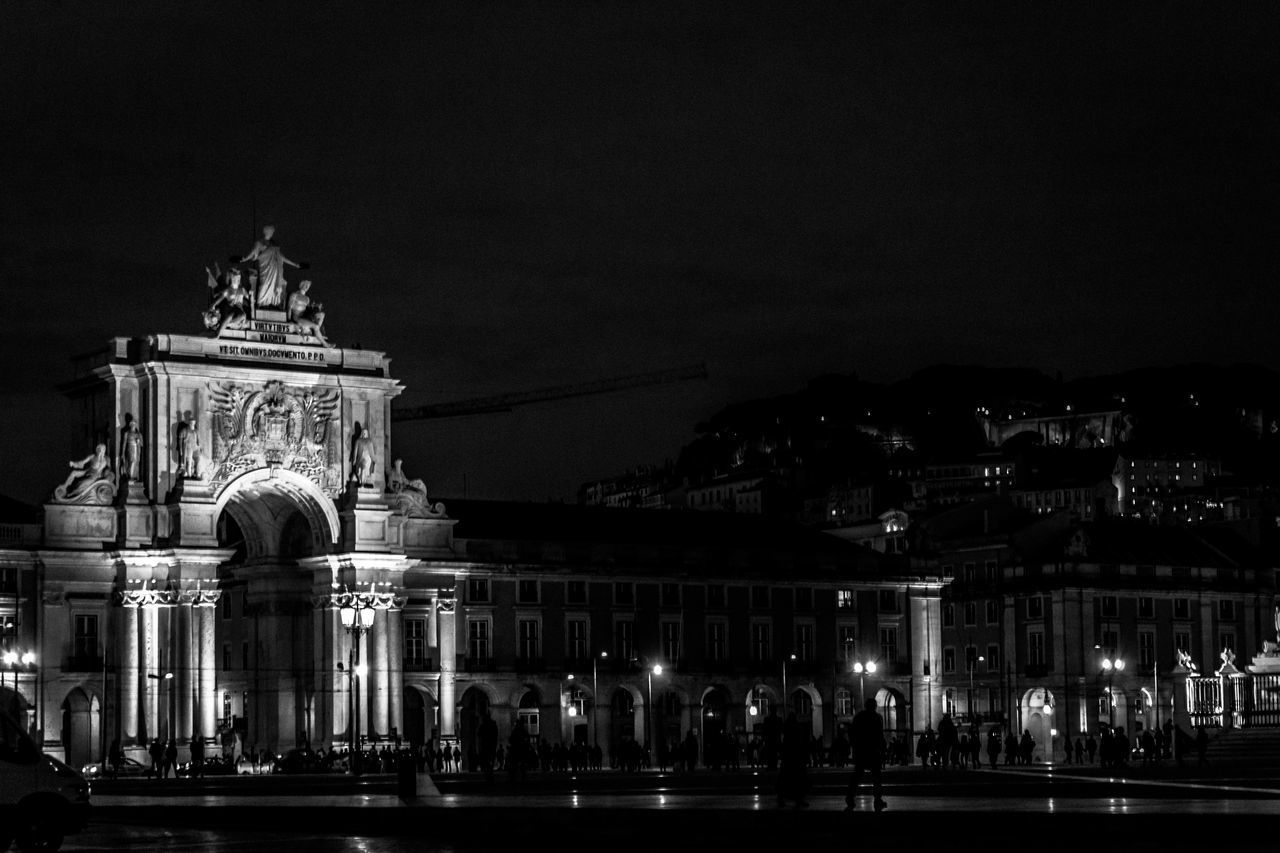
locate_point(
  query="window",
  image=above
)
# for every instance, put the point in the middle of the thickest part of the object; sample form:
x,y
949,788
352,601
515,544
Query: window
x,y
970,659
415,642
993,658
243,598
225,601
970,572
671,641
948,570
760,597
226,657
478,646
1109,605
1035,607
971,613
844,599
948,660
1035,648
889,644
715,595
527,592
85,639
244,656
624,645
1110,642
848,638
624,593
576,637
992,571
1226,609
761,648
1146,607
575,592
844,703
1146,650
478,590
671,595
804,598
993,613
804,642
717,648
527,638
948,615
887,601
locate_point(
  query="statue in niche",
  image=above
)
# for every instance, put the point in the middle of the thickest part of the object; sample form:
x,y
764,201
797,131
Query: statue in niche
x,y
306,316
188,450
271,263
409,497
91,480
131,453
362,458
230,310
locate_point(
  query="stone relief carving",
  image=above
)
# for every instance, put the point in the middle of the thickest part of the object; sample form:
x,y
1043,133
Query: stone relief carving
x,y
277,425
91,481
409,497
149,597
231,305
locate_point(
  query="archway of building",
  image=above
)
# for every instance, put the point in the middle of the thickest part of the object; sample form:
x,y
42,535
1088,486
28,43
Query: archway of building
x,y
623,710
806,703
419,715
669,707
1113,710
529,711
1038,714
759,702
81,727
892,706
472,706
718,729
279,514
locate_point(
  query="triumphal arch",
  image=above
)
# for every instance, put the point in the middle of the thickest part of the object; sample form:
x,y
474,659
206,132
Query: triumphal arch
x,y
236,492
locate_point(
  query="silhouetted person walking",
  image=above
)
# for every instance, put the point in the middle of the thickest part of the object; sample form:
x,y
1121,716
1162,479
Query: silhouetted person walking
x,y
867,734
793,777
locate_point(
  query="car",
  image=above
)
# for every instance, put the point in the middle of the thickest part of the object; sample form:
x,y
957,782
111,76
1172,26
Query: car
x,y
129,769
246,767
302,761
213,766
41,799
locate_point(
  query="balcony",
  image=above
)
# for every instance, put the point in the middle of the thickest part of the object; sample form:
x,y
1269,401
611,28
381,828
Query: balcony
x,y
419,665
1037,670
530,664
484,664
82,663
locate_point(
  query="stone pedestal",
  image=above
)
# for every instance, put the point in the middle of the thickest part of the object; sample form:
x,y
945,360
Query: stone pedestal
x,y
1266,662
366,521
137,522
79,525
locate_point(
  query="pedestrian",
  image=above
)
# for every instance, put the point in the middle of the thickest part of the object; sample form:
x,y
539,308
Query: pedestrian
x,y
170,760
923,749
1091,746
115,758
1010,748
197,757
487,735
518,749
772,739
1026,747
867,736
993,746
793,774
156,751
1079,751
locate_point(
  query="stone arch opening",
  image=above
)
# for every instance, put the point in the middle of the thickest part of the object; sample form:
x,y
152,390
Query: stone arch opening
x,y
622,719
81,720
892,706
419,715
279,515
1038,719
473,705
529,711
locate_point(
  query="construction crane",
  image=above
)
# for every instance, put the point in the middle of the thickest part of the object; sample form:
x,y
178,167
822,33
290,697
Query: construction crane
x,y
505,402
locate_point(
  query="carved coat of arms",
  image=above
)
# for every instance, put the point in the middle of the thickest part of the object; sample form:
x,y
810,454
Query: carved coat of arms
x,y
278,426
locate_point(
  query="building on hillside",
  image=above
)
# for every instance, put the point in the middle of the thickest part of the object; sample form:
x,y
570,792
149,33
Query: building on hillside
x,y
1035,608
1076,481
1155,487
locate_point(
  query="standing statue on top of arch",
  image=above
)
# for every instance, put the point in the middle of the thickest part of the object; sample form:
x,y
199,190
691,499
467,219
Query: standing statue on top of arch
x,y
271,263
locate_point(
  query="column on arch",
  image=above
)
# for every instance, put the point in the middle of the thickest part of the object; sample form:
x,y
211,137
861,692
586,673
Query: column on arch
x,y
129,665
184,671
395,643
447,641
379,675
205,615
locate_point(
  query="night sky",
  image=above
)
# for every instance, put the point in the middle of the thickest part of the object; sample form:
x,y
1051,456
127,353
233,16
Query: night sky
x,y
505,196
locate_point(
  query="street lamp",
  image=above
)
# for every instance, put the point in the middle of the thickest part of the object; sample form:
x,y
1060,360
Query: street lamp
x,y
1111,667
595,700
357,619
11,660
786,702
973,664
862,670
656,669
